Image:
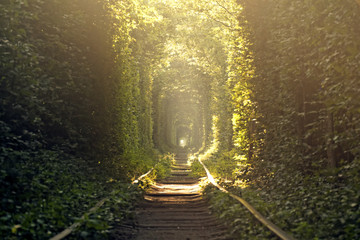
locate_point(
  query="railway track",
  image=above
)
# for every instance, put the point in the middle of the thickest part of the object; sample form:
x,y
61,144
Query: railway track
x,y
174,209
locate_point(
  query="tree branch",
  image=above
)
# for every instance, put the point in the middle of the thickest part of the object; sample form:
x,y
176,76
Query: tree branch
x,y
227,10
214,19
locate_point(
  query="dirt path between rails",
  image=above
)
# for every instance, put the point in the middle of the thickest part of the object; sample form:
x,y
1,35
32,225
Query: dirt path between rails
x,y
173,209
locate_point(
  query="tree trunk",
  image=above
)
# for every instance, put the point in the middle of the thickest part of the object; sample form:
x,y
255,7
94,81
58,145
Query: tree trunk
x,y
330,142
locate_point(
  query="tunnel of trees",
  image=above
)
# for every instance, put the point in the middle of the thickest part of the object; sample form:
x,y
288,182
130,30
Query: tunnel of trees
x,y
266,92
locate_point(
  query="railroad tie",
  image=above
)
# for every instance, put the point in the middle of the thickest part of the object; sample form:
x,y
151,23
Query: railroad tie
x,y
174,209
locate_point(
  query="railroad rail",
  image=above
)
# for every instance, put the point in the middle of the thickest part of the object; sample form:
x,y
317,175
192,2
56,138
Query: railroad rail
x,y
174,208
70,229
271,226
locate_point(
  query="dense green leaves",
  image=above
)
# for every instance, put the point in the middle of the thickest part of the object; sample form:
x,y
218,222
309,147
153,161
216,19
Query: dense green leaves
x,y
75,112
267,90
295,115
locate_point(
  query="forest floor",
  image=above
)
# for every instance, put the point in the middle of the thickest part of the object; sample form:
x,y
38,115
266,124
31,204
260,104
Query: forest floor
x,y
174,209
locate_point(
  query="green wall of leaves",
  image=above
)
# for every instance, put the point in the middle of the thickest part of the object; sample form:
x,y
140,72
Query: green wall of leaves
x,y
75,107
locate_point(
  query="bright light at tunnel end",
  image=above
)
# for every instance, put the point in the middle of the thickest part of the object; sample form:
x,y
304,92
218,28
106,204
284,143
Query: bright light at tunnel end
x,y
182,143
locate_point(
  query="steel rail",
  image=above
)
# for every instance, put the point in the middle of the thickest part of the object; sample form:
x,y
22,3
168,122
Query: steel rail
x,y
70,229
271,226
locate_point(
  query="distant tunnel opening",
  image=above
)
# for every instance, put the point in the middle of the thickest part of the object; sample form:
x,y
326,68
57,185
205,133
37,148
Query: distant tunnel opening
x,y
182,107
180,124
183,136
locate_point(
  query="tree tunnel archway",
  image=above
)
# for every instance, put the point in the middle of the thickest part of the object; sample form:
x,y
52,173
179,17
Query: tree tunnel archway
x,y
180,122
193,85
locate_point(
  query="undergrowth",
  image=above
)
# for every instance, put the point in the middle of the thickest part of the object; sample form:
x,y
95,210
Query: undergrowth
x,y
241,222
163,168
44,196
119,207
321,206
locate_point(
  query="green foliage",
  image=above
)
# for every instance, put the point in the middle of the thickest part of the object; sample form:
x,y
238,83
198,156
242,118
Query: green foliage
x,y
307,102
270,88
197,169
191,87
163,167
75,109
119,206
62,86
242,224
295,115
37,206
323,207
220,164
